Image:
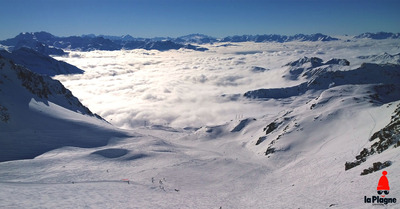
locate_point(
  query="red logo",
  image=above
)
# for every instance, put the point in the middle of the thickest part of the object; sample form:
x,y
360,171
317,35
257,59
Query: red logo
x,y
383,185
383,190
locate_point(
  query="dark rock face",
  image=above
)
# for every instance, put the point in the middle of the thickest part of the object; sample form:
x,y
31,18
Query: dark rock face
x,y
376,167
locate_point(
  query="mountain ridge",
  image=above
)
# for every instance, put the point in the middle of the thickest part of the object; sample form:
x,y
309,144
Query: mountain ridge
x,y
40,63
49,44
54,45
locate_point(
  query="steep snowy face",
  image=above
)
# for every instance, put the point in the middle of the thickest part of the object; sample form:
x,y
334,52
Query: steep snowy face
x,y
39,62
38,114
41,87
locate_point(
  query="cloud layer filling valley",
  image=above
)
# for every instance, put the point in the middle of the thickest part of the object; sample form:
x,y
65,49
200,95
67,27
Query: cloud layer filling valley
x,y
184,88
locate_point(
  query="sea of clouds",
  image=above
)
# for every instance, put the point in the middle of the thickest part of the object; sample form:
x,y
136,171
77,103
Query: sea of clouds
x,y
185,88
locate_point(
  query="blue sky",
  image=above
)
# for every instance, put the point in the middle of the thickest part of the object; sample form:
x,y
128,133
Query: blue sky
x,y
219,18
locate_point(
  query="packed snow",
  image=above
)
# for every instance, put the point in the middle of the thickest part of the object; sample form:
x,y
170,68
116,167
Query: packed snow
x,y
182,133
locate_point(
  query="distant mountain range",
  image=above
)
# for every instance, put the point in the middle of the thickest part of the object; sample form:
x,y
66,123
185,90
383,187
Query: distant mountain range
x,y
188,39
279,38
380,35
205,39
52,45
48,44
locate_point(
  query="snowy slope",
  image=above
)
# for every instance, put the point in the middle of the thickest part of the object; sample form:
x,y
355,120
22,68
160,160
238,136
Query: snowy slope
x,y
39,63
206,169
39,114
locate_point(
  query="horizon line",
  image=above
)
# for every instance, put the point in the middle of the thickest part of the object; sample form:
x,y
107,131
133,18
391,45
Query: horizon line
x,y
198,33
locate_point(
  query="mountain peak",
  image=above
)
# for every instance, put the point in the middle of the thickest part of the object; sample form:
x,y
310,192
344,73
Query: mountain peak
x,y
279,38
379,35
314,62
39,36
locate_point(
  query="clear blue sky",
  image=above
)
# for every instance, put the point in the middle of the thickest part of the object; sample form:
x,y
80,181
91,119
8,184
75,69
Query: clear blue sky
x,y
219,18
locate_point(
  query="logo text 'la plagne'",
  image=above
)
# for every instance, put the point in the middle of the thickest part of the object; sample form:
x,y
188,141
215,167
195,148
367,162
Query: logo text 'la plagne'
x,y
382,190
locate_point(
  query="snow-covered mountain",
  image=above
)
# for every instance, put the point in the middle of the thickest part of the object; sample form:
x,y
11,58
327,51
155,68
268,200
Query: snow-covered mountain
x,y
123,38
279,38
187,39
39,63
379,35
320,76
39,114
49,44
39,41
196,39
382,58
71,42
331,90
85,43
46,42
